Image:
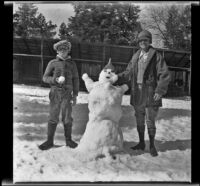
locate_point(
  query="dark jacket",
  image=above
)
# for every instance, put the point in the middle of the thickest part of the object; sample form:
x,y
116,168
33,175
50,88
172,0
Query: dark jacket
x,y
156,77
66,68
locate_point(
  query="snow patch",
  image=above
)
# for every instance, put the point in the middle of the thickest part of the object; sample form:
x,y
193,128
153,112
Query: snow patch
x,y
173,141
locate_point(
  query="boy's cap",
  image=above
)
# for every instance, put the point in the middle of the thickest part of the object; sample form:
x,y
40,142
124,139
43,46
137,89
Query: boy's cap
x,y
64,44
109,66
145,35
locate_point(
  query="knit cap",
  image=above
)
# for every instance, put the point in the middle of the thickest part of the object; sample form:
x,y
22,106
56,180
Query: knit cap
x,y
109,65
145,35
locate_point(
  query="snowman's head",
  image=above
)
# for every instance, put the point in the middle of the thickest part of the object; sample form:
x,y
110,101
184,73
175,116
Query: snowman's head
x,y
108,74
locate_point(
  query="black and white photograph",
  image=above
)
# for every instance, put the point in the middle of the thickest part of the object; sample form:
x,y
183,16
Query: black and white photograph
x,y
102,91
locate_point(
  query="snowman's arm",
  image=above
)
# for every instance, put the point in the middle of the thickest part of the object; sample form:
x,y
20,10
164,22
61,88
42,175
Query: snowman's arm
x,y
89,83
124,88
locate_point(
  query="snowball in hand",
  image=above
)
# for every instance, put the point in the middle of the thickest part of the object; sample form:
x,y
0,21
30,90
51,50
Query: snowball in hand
x,y
84,76
61,79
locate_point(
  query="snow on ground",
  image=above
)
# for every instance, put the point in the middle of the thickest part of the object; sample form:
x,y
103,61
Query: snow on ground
x,y
173,141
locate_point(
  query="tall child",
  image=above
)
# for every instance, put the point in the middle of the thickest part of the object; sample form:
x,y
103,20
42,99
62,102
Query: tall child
x,y
149,76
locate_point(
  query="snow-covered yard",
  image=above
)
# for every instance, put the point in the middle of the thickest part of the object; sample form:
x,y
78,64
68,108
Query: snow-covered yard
x,y
173,142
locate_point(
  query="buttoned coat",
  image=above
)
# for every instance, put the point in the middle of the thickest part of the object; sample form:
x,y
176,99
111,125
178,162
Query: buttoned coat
x,y
66,68
155,80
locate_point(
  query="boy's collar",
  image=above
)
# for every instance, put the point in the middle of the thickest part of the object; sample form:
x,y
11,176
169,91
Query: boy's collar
x,y
143,51
59,57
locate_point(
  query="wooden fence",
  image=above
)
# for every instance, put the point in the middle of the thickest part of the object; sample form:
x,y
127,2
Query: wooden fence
x,y
91,58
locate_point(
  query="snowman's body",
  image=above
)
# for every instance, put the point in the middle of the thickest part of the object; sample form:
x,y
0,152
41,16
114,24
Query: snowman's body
x,y
103,134
105,102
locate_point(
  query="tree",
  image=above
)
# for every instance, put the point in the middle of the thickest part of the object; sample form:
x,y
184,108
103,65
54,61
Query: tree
x,y
109,23
170,24
178,28
173,35
27,23
15,24
23,20
182,38
42,28
63,32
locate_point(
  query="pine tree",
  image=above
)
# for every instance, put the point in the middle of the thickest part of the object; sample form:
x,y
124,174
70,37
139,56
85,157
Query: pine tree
x,y
26,23
63,32
107,22
42,28
23,20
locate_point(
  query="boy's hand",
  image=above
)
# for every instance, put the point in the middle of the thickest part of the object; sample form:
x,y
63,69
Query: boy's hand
x,y
60,79
157,96
74,100
124,87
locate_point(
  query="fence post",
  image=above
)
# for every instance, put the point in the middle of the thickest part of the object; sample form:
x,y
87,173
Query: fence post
x,y
190,71
42,60
79,50
189,82
104,56
163,54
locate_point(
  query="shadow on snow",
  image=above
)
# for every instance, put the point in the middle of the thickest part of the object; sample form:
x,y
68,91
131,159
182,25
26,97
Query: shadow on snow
x,y
34,112
160,146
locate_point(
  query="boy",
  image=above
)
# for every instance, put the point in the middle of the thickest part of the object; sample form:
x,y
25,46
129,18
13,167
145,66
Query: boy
x,y
149,78
62,75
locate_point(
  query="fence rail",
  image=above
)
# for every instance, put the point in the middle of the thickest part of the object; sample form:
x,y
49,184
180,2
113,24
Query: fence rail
x,y
94,61
29,64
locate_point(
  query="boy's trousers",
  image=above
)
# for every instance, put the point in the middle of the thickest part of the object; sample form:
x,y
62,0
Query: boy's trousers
x,y
143,112
60,101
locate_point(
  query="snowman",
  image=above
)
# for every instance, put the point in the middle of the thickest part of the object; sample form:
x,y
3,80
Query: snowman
x,y
103,136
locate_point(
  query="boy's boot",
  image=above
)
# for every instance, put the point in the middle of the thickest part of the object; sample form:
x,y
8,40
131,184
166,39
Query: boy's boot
x,y
68,139
153,151
141,144
50,137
